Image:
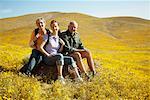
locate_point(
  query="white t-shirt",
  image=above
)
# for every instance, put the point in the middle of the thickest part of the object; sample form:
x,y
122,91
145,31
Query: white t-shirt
x,y
53,44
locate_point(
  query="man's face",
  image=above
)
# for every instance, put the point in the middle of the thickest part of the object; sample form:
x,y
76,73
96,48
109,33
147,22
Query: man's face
x,y
40,24
72,27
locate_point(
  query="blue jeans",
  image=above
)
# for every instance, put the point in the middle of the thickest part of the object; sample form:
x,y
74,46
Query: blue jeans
x,y
35,58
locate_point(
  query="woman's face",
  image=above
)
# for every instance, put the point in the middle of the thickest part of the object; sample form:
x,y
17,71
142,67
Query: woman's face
x,y
54,27
40,24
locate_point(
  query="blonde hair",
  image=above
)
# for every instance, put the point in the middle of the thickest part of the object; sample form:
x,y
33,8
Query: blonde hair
x,y
40,18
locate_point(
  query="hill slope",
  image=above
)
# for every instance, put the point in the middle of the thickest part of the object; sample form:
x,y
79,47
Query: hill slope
x,y
127,29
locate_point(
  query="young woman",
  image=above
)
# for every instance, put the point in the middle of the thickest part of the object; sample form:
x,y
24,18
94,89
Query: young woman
x,y
52,50
35,42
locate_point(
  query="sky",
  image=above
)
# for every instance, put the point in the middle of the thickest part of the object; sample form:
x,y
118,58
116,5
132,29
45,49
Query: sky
x,y
97,8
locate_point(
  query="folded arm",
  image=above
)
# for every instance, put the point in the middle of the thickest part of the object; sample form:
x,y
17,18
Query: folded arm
x,y
33,40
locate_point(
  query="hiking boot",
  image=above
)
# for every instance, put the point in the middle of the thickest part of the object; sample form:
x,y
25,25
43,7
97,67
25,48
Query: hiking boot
x,y
28,73
79,79
92,73
87,77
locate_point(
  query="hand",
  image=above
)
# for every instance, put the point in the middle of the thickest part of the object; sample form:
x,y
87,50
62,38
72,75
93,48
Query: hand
x,y
62,42
78,50
50,55
38,35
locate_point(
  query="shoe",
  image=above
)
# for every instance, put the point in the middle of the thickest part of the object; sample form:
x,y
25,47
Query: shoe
x,y
79,79
61,79
28,73
92,73
87,77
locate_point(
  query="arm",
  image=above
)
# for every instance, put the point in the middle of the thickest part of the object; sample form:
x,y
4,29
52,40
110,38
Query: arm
x,y
62,45
80,47
67,46
80,44
33,40
77,50
43,50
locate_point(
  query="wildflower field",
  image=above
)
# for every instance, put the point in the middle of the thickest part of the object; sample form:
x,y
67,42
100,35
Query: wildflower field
x,y
120,48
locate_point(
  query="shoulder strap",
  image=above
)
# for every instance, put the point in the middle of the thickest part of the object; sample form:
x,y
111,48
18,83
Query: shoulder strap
x,y
36,31
49,34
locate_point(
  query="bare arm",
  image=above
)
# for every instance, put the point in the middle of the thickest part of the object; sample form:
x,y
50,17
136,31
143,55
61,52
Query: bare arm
x,y
78,50
33,40
62,44
43,50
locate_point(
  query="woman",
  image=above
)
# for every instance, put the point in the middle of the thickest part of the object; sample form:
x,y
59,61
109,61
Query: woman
x,y
52,51
35,42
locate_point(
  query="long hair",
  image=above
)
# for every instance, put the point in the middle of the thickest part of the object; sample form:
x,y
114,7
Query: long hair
x,y
40,18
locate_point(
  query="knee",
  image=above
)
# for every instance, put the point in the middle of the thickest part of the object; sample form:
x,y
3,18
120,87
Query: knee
x,y
77,55
73,63
87,53
34,50
60,60
71,59
34,53
59,56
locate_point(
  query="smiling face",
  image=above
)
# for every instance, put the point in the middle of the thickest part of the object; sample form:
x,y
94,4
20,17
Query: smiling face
x,y
40,23
54,26
72,27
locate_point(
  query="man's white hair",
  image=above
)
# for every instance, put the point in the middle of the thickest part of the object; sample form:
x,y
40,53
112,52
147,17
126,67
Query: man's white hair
x,y
73,22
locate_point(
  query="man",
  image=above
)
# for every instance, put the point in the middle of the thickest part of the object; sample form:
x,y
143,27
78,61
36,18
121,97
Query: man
x,y
75,48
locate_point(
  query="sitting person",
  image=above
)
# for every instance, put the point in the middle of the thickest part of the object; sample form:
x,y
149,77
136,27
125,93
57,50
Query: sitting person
x,y
75,48
35,42
52,55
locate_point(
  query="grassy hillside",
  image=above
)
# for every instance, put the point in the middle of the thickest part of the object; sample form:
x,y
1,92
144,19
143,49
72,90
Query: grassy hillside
x,y
120,48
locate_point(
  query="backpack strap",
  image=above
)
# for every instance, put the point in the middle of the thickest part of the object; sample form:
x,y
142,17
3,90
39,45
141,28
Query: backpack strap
x,y
36,31
49,34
